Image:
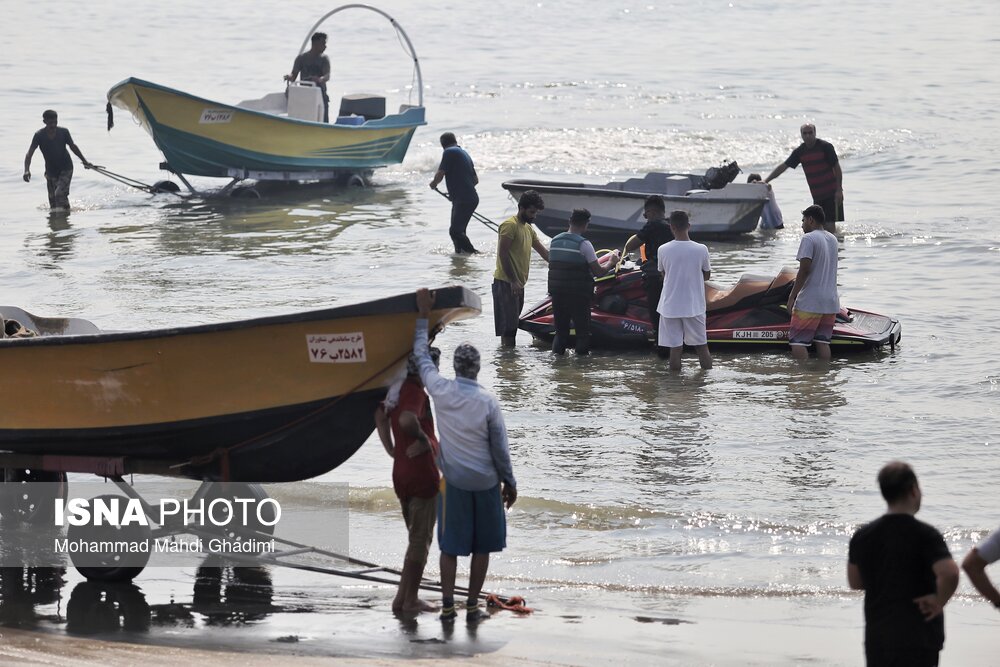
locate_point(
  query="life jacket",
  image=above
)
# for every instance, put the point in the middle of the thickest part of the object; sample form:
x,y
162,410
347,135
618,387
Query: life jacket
x,y
569,271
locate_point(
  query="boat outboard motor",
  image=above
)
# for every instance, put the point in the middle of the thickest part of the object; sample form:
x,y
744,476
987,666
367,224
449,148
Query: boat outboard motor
x,y
717,178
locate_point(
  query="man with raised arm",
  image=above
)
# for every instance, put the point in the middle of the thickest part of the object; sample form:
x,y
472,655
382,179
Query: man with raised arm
x,y
474,458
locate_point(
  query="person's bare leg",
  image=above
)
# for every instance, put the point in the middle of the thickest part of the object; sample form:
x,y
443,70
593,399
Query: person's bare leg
x,y
400,599
413,572
449,565
477,574
823,351
675,358
704,356
800,352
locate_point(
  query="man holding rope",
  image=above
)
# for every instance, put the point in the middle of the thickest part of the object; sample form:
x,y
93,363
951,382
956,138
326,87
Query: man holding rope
x,y
459,174
53,142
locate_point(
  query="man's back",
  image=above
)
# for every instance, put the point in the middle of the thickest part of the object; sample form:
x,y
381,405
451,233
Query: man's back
x,y
895,555
819,293
683,264
459,174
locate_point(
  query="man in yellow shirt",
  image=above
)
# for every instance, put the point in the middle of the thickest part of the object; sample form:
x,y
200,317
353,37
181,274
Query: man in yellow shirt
x,y
516,239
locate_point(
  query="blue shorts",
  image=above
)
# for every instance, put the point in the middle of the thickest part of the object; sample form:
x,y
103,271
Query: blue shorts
x,y
470,522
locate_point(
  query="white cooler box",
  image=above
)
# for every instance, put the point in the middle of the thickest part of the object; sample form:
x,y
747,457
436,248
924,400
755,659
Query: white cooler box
x,y
305,101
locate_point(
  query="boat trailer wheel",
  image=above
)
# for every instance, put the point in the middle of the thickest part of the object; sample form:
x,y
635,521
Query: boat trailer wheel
x,y
29,495
111,566
245,192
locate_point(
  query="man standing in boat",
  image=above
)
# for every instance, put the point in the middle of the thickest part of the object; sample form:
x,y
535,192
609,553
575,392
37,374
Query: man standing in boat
x,y
653,234
459,174
314,66
475,461
405,426
516,238
685,266
573,265
823,174
813,302
53,142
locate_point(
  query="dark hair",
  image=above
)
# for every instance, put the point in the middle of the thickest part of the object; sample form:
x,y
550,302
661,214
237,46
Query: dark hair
x,y
815,212
531,199
753,178
317,36
448,139
896,479
49,113
655,201
579,216
680,218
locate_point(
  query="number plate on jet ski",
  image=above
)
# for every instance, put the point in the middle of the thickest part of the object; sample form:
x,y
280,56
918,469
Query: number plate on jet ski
x,y
758,334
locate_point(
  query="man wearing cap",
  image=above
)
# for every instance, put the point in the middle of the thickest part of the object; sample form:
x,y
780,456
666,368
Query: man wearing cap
x,y
516,238
685,267
405,426
474,459
53,142
823,174
813,302
573,264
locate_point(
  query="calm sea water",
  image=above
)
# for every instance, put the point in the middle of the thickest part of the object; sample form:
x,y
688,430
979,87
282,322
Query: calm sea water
x,y
743,481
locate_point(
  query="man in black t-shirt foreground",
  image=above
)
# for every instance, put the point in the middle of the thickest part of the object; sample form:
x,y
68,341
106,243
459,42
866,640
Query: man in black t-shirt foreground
x,y
907,573
53,142
653,234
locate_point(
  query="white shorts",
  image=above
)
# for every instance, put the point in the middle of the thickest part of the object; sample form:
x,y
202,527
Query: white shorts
x,y
678,331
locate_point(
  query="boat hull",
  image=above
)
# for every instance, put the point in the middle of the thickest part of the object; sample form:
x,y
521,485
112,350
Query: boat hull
x,y
286,397
617,214
202,137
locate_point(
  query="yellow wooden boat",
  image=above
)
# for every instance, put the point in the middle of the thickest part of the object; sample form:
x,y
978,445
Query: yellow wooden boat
x,y
264,400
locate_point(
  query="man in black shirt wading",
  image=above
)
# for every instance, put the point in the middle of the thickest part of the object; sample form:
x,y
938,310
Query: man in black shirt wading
x,y
53,141
907,573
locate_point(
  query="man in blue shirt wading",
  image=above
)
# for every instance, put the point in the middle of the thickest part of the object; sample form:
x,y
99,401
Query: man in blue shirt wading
x,y
475,462
459,174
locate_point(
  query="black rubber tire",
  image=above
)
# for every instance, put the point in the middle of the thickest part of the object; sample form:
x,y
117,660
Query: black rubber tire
x,y
165,186
36,504
112,567
245,192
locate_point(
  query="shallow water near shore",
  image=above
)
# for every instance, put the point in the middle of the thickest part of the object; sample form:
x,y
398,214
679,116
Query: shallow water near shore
x,y
700,497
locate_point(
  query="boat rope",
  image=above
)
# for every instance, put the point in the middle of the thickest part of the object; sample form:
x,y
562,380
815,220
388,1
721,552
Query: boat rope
x,y
492,226
221,454
131,182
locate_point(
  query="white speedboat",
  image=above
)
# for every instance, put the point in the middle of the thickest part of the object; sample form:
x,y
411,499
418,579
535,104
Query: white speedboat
x,y
728,209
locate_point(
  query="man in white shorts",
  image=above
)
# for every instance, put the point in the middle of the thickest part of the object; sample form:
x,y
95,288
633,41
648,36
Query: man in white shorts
x,y
685,267
984,553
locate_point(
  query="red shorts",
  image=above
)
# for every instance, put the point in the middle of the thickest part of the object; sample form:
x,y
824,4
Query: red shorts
x,y
808,327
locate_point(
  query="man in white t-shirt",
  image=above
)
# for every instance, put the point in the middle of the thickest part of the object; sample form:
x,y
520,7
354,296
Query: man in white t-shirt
x,y
814,303
685,267
986,552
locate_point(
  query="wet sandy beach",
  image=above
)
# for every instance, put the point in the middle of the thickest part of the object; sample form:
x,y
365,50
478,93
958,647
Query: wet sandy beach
x,y
250,616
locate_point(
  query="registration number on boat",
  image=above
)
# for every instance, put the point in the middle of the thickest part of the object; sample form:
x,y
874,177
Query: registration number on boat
x,y
343,348
758,335
209,116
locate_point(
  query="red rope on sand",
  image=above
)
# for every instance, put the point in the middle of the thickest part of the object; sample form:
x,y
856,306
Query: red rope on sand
x,y
515,603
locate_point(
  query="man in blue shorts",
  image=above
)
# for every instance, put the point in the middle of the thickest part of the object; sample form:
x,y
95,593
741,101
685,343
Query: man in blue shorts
x,y
813,302
475,460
